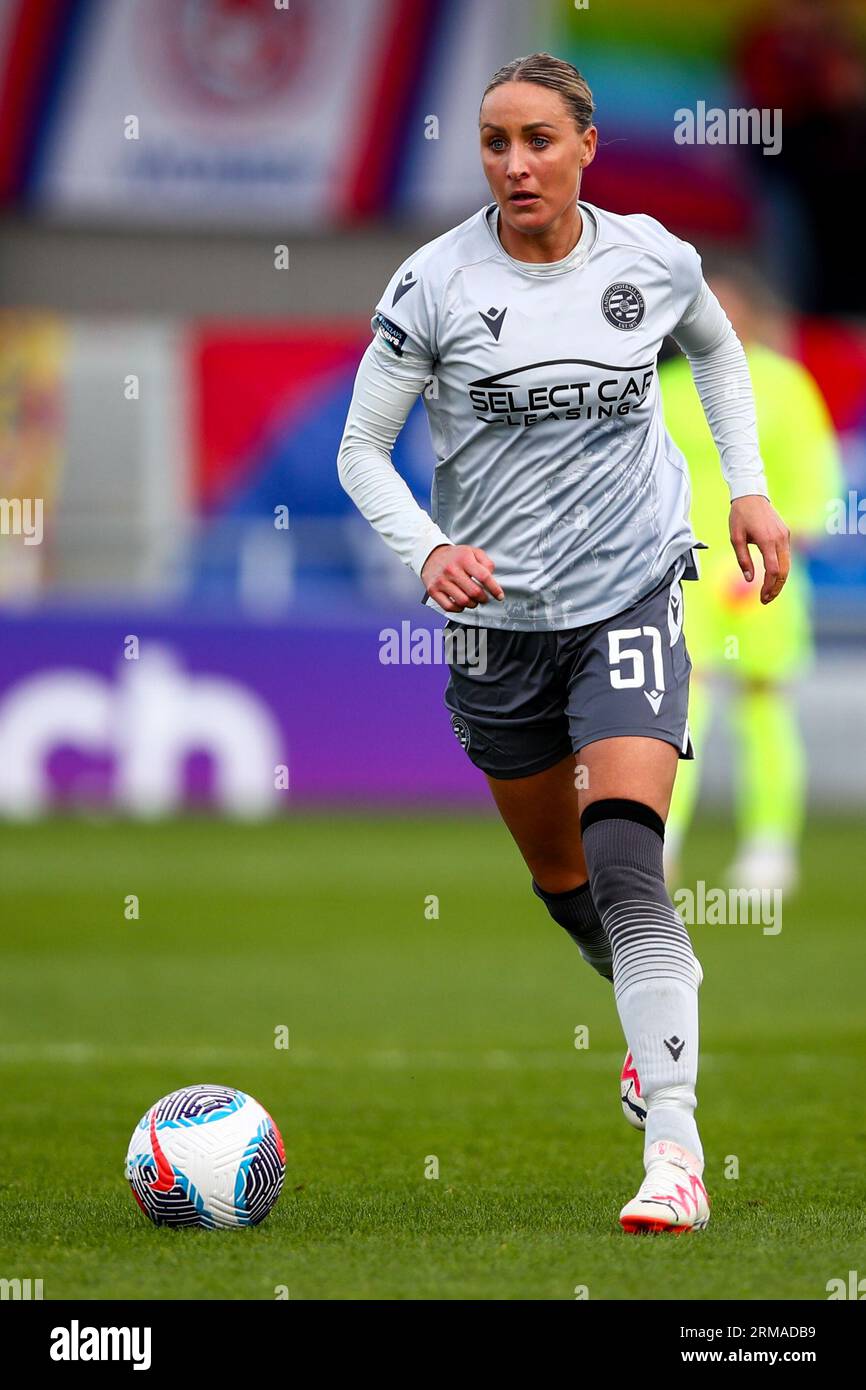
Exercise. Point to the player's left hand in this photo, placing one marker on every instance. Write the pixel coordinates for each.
(754, 521)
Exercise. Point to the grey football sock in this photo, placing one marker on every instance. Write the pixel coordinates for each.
(655, 972)
(575, 911)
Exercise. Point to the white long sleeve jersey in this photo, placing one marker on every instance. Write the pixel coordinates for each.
(541, 391)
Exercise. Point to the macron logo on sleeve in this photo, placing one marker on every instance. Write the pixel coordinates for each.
(405, 285)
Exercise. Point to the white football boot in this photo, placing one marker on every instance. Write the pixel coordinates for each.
(633, 1103)
(672, 1196)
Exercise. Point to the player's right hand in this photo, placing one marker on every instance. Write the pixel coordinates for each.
(460, 576)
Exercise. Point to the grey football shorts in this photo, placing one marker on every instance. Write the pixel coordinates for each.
(522, 701)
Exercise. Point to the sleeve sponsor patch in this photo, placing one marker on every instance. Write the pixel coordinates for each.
(395, 337)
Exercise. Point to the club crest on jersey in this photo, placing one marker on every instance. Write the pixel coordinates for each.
(405, 285)
(395, 337)
(494, 318)
(623, 305)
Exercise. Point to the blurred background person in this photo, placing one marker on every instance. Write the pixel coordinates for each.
(728, 633)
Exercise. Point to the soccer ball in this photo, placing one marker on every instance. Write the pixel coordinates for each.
(206, 1156)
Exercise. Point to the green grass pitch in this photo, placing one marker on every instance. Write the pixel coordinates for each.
(410, 1036)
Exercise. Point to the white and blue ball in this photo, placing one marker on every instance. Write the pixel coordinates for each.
(206, 1156)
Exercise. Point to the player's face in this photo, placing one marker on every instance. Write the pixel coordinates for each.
(529, 142)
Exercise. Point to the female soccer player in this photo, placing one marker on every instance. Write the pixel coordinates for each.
(560, 529)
